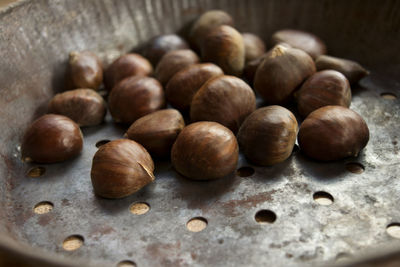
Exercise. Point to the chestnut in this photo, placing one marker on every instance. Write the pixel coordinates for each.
(85, 70)
(157, 131)
(84, 106)
(172, 62)
(351, 69)
(254, 46)
(224, 46)
(267, 136)
(324, 88)
(251, 67)
(332, 133)
(224, 99)
(160, 45)
(305, 41)
(135, 97)
(281, 72)
(205, 150)
(206, 23)
(184, 84)
(125, 66)
(51, 138)
(121, 168)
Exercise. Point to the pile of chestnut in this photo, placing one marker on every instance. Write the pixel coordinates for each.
(211, 78)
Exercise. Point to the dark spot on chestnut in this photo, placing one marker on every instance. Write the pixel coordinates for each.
(281, 72)
(305, 41)
(206, 23)
(254, 46)
(225, 99)
(84, 106)
(172, 62)
(205, 150)
(224, 46)
(126, 66)
(184, 84)
(85, 70)
(351, 69)
(51, 138)
(332, 133)
(135, 97)
(268, 135)
(121, 168)
(324, 88)
(157, 131)
(162, 44)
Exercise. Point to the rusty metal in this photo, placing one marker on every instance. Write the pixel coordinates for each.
(35, 39)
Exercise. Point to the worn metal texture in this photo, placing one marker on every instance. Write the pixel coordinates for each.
(35, 39)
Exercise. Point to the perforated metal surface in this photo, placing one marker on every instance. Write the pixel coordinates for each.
(304, 232)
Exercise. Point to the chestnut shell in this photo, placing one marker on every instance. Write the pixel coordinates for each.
(183, 85)
(51, 138)
(172, 62)
(206, 23)
(125, 66)
(205, 150)
(308, 42)
(121, 168)
(225, 99)
(324, 88)
(254, 46)
(83, 106)
(351, 69)
(157, 47)
(224, 47)
(333, 133)
(157, 131)
(85, 70)
(135, 97)
(281, 72)
(267, 136)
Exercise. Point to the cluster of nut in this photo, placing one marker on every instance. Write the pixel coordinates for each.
(209, 89)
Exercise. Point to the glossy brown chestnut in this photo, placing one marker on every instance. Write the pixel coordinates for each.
(254, 46)
(324, 88)
(184, 84)
(351, 69)
(267, 136)
(174, 61)
(160, 45)
(281, 72)
(135, 97)
(126, 66)
(51, 138)
(224, 99)
(224, 46)
(305, 41)
(84, 106)
(204, 151)
(157, 131)
(85, 70)
(333, 133)
(121, 168)
(206, 23)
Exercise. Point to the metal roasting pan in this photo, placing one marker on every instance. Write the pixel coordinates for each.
(35, 39)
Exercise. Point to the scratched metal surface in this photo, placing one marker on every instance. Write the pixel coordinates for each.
(35, 38)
